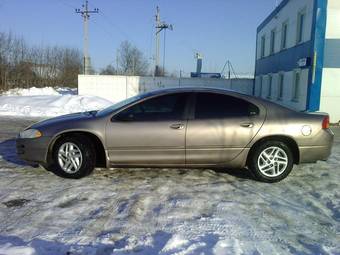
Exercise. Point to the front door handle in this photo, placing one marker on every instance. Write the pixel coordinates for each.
(177, 126)
(247, 124)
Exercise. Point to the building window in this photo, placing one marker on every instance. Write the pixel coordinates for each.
(272, 41)
(270, 82)
(263, 46)
(284, 35)
(296, 87)
(300, 26)
(280, 89)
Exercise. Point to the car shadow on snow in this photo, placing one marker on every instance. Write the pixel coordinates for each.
(243, 174)
(9, 154)
(37, 246)
(238, 173)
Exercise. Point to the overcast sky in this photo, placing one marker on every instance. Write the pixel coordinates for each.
(218, 29)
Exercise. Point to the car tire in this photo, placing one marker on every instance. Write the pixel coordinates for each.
(271, 161)
(72, 157)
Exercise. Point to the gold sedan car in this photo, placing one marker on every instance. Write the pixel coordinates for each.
(188, 127)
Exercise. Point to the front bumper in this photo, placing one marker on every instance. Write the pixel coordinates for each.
(33, 150)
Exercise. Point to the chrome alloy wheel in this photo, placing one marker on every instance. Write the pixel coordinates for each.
(70, 157)
(272, 161)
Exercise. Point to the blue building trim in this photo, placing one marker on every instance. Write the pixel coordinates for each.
(285, 60)
(272, 15)
(254, 81)
(318, 38)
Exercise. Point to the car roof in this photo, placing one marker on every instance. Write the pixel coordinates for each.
(195, 89)
(258, 100)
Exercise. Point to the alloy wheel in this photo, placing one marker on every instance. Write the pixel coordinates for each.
(70, 157)
(272, 161)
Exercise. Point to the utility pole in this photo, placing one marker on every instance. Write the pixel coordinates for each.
(159, 27)
(117, 60)
(85, 13)
(229, 70)
(180, 77)
(158, 23)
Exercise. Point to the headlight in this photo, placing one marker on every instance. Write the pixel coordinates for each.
(30, 133)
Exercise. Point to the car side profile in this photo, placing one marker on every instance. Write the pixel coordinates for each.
(187, 127)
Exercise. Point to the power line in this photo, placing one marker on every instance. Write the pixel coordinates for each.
(65, 3)
(109, 22)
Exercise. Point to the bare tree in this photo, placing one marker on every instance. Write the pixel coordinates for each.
(70, 65)
(131, 60)
(108, 70)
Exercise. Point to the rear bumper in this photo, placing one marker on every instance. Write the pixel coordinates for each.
(314, 153)
(309, 154)
(33, 150)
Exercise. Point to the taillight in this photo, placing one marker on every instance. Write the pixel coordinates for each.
(325, 122)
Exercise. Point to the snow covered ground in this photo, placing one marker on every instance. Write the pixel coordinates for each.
(47, 102)
(166, 211)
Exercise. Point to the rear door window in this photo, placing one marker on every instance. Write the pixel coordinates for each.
(219, 106)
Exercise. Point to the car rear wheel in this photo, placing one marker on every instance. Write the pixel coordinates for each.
(73, 157)
(271, 161)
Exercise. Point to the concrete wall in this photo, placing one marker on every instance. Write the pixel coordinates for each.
(116, 88)
(330, 89)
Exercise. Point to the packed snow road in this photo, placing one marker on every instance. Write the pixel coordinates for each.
(166, 211)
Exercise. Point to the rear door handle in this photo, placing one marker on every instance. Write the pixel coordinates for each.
(247, 124)
(177, 126)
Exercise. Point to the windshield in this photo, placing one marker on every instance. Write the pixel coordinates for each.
(120, 104)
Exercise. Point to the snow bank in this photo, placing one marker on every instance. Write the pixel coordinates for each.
(40, 102)
(36, 106)
(46, 91)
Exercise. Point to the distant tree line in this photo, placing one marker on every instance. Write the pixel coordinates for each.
(23, 66)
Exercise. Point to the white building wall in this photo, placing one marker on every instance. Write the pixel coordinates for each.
(289, 14)
(116, 88)
(288, 89)
(257, 86)
(330, 88)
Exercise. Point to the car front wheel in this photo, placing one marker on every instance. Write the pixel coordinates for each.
(271, 161)
(73, 157)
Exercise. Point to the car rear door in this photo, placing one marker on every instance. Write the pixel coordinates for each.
(149, 133)
(221, 127)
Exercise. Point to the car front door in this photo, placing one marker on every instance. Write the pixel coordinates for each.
(149, 133)
(221, 127)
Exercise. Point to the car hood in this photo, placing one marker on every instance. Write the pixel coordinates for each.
(73, 117)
